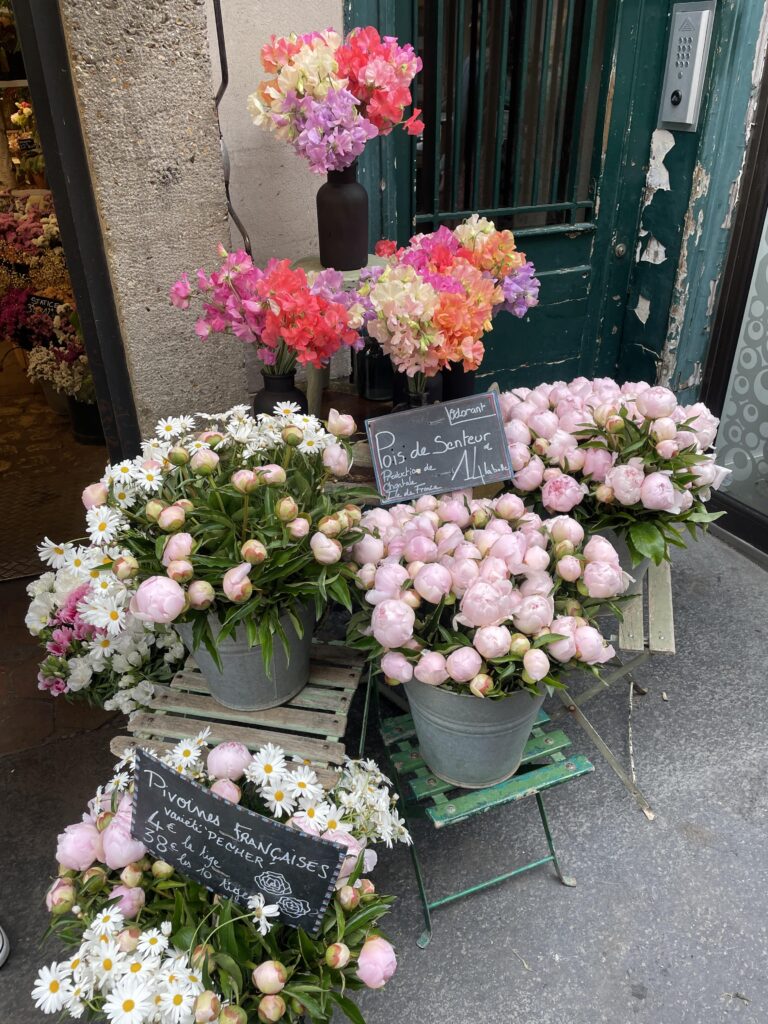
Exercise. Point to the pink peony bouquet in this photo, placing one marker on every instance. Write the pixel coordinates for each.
(436, 298)
(232, 518)
(95, 650)
(137, 931)
(627, 458)
(329, 96)
(287, 315)
(480, 596)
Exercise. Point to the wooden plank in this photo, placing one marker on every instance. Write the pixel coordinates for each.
(167, 700)
(517, 788)
(661, 623)
(631, 629)
(120, 744)
(321, 697)
(337, 654)
(546, 744)
(176, 727)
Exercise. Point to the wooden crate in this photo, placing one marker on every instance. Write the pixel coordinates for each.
(311, 726)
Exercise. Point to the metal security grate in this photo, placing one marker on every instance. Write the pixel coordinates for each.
(511, 97)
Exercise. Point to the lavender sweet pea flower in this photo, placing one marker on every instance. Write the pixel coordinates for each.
(520, 290)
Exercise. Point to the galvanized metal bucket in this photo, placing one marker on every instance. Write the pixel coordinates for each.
(246, 683)
(637, 572)
(470, 741)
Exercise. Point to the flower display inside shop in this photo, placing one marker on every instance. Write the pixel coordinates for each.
(329, 96)
(627, 458)
(148, 946)
(480, 596)
(60, 360)
(287, 315)
(95, 650)
(436, 298)
(231, 516)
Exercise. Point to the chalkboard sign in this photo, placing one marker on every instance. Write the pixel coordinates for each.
(231, 850)
(438, 448)
(45, 304)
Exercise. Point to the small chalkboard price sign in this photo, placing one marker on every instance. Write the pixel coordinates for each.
(231, 850)
(438, 448)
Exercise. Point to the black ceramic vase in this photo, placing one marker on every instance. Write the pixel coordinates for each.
(404, 397)
(342, 220)
(85, 422)
(457, 382)
(278, 387)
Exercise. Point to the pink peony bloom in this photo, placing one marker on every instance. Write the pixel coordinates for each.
(565, 528)
(130, 899)
(200, 594)
(656, 402)
(229, 760)
(536, 664)
(658, 492)
(336, 460)
(95, 495)
(178, 546)
(529, 477)
(120, 848)
(236, 585)
(534, 613)
(565, 649)
(368, 549)
(463, 664)
(492, 641)
(396, 666)
(704, 424)
(480, 605)
(420, 549)
(227, 790)
(598, 549)
(326, 550)
(464, 571)
(569, 568)
(433, 582)
(158, 599)
(298, 527)
(509, 507)
(591, 648)
(392, 623)
(597, 463)
(626, 482)
(431, 668)
(79, 845)
(376, 963)
(341, 425)
(603, 579)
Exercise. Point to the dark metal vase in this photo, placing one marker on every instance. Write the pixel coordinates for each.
(85, 421)
(403, 397)
(457, 382)
(342, 220)
(278, 387)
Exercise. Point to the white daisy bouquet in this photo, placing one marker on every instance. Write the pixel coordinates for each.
(95, 650)
(147, 946)
(232, 518)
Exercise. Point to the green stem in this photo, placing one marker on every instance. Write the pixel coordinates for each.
(244, 534)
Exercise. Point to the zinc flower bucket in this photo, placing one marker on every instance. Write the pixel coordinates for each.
(245, 682)
(469, 742)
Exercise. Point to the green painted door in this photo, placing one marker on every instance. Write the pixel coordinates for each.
(539, 116)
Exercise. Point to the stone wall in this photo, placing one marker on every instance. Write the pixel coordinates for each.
(143, 78)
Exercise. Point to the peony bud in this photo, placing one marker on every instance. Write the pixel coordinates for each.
(519, 644)
(185, 503)
(480, 517)
(298, 527)
(271, 1008)
(103, 819)
(180, 570)
(244, 481)
(131, 875)
(128, 939)
(200, 595)
(286, 509)
(348, 897)
(337, 955)
(270, 977)
(161, 869)
(326, 550)
(340, 425)
(60, 898)
(366, 888)
(233, 1015)
(354, 513)
(604, 493)
(207, 1007)
(614, 424)
(227, 790)
(204, 957)
(95, 878)
(153, 508)
(329, 526)
(125, 567)
(271, 474)
(236, 585)
(253, 551)
(541, 446)
(535, 665)
(292, 436)
(213, 437)
(178, 456)
(481, 684)
(95, 495)
(411, 598)
(203, 463)
(171, 519)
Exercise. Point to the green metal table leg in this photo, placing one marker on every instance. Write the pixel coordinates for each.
(426, 936)
(366, 710)
(565, 879)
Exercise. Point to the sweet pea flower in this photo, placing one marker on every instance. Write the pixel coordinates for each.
(396, 666)
(431, 668)
(433, 582)
(340, 425)
(130, 899)
(536, 664)
(598, 549)
(591, 648)
(656, 402)
(95, 495)
(158, 599)
(229, 760)
(376, 963)
(464, 664)
(236, 585)
(658, 492)
(326, 550)
(603, 579)
(392, 623)
(79, 845)
(177, 547)
(626, 482)
(336, 460)
(534, 613)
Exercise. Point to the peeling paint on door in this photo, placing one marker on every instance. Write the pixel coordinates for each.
(657, 178)
(643, 309)
(654, 251)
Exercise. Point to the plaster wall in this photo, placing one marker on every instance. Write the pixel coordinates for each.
(143, 77)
